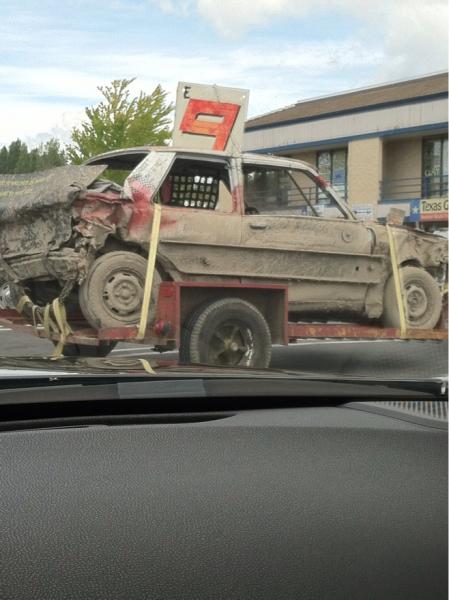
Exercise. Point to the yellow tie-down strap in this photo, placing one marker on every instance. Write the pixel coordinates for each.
(52, 317)
(149, 276)
(397, 283)
(62, 326)
(151, 263)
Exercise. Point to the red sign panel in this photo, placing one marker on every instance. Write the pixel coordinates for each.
(194, 121)
(209, 117)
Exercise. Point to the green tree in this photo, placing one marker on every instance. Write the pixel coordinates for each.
(19, 159)
(122, 121)
(4, 160)
(51, 154)
(13, 155)
(34, 159)
(23, 162)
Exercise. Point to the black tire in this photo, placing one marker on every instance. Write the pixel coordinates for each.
(112, 293)
(229, 332)
(443, 320)
(423, 299)
(100, 351)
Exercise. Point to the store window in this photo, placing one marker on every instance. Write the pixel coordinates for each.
(434, 167)
(332, 165)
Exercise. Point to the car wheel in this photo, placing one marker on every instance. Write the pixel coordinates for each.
(229, 332)
(103, 349)
(422, 297)
(112, 293)
(443, 321)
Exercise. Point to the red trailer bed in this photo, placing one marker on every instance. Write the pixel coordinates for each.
(178, 299)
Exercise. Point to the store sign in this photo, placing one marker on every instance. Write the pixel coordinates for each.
(210, 117)
(429, 209)
(363, 212)
(434, 209)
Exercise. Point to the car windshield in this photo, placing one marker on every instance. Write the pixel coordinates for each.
(275, 218)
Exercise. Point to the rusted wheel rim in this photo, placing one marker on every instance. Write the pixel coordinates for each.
(123, 293)
(416, 301)
(231, 344)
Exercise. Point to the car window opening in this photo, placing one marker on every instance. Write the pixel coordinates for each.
(194, 184)
(285, 192)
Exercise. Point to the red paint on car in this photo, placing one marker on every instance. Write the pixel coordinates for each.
(321, 181)
(142, 210)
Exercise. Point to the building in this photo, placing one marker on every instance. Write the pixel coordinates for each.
(381, 147)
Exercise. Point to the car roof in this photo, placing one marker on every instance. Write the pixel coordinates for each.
(128, 158)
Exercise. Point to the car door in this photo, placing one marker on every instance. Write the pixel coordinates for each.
(201, 216)
(297, 231)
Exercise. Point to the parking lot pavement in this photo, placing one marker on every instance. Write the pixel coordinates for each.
(375, 359)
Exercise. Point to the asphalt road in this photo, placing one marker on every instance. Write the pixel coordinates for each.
(374, 359)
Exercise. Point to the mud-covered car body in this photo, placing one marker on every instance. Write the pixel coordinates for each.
(243, 218)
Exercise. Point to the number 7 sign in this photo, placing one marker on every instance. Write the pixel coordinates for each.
(210, 117)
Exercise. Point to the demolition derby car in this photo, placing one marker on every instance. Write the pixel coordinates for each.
(226, 217)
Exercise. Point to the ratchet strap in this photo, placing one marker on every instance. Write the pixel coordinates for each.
(24, 301)
(64, 328)
(149, 276)
(52, 317)
(151, 263)
(146, 365)
(397, 283)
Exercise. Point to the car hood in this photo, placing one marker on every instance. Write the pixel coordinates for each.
(21, 194)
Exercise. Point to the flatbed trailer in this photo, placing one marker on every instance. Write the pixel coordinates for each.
(177, 300)
(244, 318)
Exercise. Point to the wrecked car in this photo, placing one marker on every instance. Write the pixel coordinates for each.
(244, 218)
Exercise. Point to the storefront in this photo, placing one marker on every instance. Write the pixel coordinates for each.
(381, 147)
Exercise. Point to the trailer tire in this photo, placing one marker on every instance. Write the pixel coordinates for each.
(228, 332)
(423, 297)
(112, 293)
(100, 351)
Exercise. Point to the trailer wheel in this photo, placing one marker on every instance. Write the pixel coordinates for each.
(112, 293)
(422, 296)
(229, 332)
(100, 351)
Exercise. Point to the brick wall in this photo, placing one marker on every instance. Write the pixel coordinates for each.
(403, 159)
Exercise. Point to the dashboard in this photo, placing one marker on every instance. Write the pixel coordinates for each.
(340, 501)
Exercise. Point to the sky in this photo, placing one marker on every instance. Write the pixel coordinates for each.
(55, 54)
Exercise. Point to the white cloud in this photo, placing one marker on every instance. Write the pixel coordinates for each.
(413, 33)
(416, 39)
(389, 39)
(48, 81)
(171, 7)
(306, 57)
(232, 18)
(36, 121)
(40, 102)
